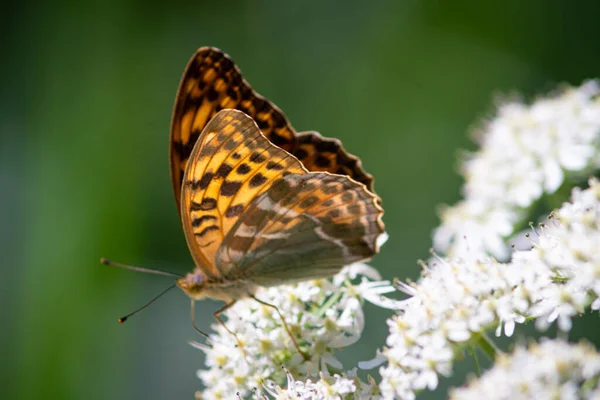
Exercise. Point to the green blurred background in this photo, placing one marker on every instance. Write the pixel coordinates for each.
(86, 98)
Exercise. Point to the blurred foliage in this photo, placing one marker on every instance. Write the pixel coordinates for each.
(86, 102)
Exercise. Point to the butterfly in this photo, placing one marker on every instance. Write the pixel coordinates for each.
(261, 205)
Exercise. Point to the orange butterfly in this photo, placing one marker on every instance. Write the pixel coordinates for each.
(260, 204)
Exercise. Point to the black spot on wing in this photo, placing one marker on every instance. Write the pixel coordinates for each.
(347, 197)
(257, 158)
(257, 180)
(259, 104)
(230, 145)
(278, 190)
(232, 93)
(300, 153)
(243, 169)
(279, 121)
(309, 201)
(208, 203)
(224, 170)
(212, 94)
(335, 213)
(354, 209)
(274, 165)
(205, 180)
(307, 186)
(229, 188)
(234, 211)
(322, 161)
(196, 222)
(330, 189)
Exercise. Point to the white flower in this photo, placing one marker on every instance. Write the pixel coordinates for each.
(526, 152)
(327, 387)
(324, 316)
(457, 301)
(553, 369)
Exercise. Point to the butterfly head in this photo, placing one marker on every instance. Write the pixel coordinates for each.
(193, 284)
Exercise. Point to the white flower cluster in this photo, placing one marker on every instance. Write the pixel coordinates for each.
(525, 152)
(336, 387)
(456, 301)
(323, 315)
(568, 248)
(553, 369)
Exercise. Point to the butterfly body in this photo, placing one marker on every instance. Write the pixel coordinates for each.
(198, 287)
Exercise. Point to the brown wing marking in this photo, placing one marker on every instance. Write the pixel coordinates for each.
(318, 153)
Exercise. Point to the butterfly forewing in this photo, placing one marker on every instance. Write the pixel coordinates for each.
(305, 226)
(230, 166)
(212, 82)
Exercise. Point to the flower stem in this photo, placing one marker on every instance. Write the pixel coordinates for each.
(328, 304)
(473, 352)
(488, 347)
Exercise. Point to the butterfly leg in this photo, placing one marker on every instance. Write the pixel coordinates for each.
(220, 321)
(194, 320)
(285, 325)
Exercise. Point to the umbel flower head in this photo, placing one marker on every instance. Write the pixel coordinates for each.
(553, 369)
(525, 152)
(324, 315)
(325, 387)
(457, 301)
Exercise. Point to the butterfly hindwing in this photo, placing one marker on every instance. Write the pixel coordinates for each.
(305, 226)
(231, 164)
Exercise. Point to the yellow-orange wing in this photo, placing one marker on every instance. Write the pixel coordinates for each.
(212, 82)
(231, 164)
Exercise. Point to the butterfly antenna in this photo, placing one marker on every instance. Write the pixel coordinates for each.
(123, 319)
(138, 269)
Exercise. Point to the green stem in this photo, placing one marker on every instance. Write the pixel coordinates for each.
(487, 345)
(473, 352)
(329, 303)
